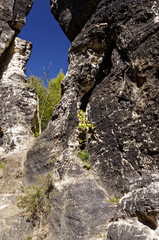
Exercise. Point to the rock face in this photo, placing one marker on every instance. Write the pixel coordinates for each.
(137, 213)
(72, 15)
(18, 100)
(12, 19)
(17, 109)
(113, 77)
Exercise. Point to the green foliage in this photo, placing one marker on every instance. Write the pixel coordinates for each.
(84, 127)
(85, 158)
(34, 200)
(83, 155)
(115, 199)
(87, 166)
(84, 124)
(47, 98)
(29, 238)
(1, 165)
(54, 96)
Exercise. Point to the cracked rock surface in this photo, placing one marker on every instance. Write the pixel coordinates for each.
(137, 213)
(113, 77)
(18, 100)
(17, 109)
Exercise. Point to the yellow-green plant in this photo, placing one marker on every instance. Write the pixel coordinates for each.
(85, 158)
(1, 165)
(115, 199)
(84, 127)
(29, 238)
(84, 124)
(83, 155)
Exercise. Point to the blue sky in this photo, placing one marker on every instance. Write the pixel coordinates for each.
(50, 44)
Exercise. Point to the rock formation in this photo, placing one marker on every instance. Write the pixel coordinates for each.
(18, 100)
(113, 77)
(137, 213)
(18, 105)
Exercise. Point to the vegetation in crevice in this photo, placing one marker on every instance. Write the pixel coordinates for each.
(115, 200)
(84, 156)
(1, 165)
(85, 129)
(29, 238)
(35, 200)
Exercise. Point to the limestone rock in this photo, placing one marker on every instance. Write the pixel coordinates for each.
(72, 15)
(80, 209)
(137, 213)
(113, 77)
(12, 18)
(17, 109)
(18, 99)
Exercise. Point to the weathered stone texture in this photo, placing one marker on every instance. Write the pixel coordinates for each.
(113, 76)
(13, 225)
(18, 99)
(137, 213)
(12, 18)
(79, 208)
(17, 109)
(72, 15)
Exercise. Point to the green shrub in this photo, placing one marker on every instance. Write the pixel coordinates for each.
(84, 156)
(32, 201)
(115, 199)
(84, 128)
(84, 124)
(35, 199)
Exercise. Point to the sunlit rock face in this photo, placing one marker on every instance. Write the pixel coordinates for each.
(18, 100)
(112, 76)
(137, 213)
(13, 17)
(17, 109)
